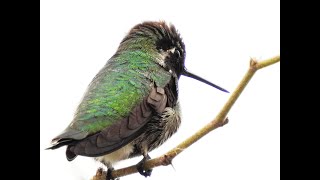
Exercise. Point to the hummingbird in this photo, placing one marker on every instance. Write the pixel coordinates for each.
(131, 106)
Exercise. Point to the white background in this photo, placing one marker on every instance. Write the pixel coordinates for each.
(78, 37)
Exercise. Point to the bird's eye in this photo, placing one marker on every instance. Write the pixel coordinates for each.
(177, 53)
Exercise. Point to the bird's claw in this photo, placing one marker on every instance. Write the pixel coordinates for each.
(109, 174)
(140, 167)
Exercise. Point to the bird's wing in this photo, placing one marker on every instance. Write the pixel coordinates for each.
(119, 101)
(122, 132)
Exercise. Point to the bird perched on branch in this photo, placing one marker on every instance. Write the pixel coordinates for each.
(131, 106)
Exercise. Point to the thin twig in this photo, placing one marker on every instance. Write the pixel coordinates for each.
(218, 121)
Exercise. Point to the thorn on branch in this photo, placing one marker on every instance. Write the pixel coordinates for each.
(166, 160)
(253, 64)
(224, 122)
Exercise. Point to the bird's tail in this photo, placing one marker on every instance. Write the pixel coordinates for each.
(57, 143)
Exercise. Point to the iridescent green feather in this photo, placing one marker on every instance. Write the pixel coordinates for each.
(121, 85)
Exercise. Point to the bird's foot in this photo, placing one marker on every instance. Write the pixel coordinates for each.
(140, 168)
(109, 174)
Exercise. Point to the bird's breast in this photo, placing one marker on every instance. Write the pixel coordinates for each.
(118, 155)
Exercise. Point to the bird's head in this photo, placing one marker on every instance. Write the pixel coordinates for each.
(164, 41)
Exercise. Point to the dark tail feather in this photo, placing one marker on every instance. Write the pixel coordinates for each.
(62, 142)
(59, 143)
(70, 155)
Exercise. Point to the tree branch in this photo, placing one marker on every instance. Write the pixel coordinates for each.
(218, 121)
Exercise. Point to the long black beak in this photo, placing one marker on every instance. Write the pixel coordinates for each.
(189, 74)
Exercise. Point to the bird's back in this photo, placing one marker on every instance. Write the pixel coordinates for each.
(115, 91)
